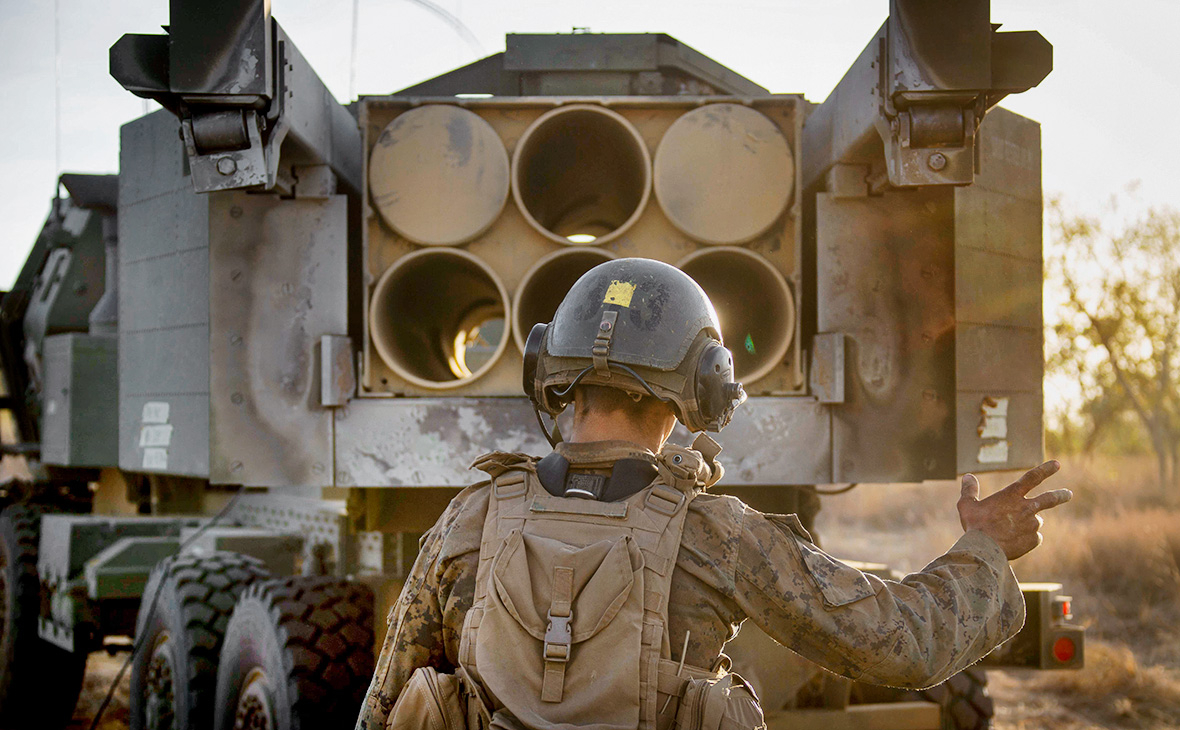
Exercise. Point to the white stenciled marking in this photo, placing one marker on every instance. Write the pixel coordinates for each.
(158, 435)
(994, 453)
(155, 458)
(155, 412)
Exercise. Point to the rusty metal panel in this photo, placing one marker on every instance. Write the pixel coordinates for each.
(429, 442)
(999, 430)
(998, 281)
(994, 288)
(992, 357)
(163, 305)
(886, 278)
(278, 283)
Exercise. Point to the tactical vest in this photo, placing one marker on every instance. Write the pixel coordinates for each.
(569, 625)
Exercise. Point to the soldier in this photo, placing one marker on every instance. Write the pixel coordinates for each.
(598, 585)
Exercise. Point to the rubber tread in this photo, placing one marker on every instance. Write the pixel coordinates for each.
(966, 703)
(204, 589)
(324, 628)
(39, 682)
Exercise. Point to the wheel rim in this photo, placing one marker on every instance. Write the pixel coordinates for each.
(160, 695)
(254, 710)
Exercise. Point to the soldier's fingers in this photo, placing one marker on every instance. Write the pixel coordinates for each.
(1031, 478)
(970, 488)
(1049, 500)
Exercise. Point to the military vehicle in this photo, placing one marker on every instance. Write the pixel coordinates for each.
(248, 372)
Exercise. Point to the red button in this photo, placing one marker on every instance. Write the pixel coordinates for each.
(1064, 649)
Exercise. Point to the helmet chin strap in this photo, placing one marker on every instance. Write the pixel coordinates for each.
(553, 438)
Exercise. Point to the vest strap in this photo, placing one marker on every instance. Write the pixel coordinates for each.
(558, 635)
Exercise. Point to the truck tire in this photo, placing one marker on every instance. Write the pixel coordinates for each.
(298, 655)
(174, 673)
(965, 701)
(39, 682)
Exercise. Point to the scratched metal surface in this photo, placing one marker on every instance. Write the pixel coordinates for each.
(429, 442)
(886, 278)
(278, 273)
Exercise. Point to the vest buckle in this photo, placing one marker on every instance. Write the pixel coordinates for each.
(558, 638)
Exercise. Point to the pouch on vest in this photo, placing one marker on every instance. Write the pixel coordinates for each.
(430, 700)
(725, 702)
(570, 612)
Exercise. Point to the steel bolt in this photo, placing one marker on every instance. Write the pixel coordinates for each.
(237, 398)
(236, 466)
(936, 161)
(235, 211)
(227, 166)
(604, 326)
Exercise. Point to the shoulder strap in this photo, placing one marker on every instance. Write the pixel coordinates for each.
(666, 506)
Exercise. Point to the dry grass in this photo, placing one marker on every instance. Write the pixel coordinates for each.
(1116, 549)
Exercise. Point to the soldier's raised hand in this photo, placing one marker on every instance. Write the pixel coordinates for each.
(1007, 516)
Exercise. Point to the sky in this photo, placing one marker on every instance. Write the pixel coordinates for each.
(1107, 110)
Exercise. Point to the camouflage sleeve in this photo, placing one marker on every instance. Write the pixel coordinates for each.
(424, 623)
(414, 638)
(913, 633)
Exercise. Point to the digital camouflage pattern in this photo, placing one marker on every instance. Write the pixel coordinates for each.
(736, 563)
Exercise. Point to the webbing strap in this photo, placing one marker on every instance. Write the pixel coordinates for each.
(666, 506)
(558, 635)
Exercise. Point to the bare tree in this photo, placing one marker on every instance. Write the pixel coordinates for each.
(1118, 330)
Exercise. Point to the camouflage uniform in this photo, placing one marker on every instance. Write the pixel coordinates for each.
(737, 563)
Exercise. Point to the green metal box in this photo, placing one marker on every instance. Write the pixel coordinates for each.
(80, 401)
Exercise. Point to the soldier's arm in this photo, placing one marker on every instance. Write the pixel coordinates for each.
(912, 633)
(916, 632)
(420, 632)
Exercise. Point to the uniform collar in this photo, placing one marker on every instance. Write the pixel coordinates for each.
(601, 454)
(630, 467)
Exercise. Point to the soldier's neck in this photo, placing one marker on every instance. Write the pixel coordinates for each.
(612, 427)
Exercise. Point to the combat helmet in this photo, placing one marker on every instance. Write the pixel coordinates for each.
(641, 326)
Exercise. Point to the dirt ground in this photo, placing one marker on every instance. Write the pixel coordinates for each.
(101, 669)
(1115, 548)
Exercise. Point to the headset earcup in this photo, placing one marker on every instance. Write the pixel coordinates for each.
(532, 354)
(714, 385)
